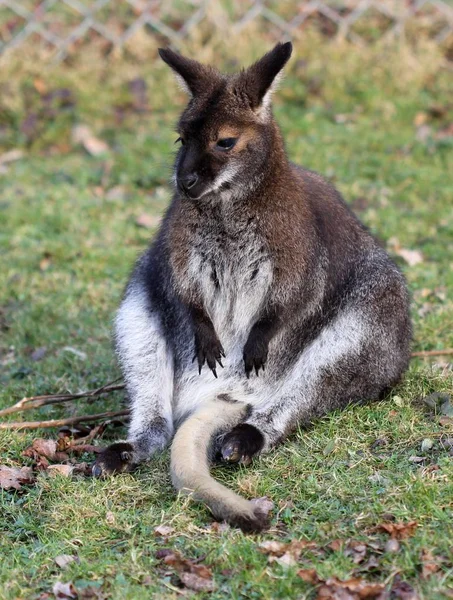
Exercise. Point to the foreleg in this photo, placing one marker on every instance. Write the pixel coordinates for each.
(147, 365)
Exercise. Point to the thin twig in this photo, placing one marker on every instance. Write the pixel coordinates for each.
(36, 401)
(433, 352)
(60, 422)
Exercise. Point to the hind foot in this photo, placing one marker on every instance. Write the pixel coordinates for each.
(241, 444)
(116, 458)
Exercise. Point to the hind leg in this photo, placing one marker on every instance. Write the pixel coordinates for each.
(148, 369)
(351, 360)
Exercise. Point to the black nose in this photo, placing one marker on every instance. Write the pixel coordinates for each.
(188, 181)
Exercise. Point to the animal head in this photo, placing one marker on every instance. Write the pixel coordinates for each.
(226, 131)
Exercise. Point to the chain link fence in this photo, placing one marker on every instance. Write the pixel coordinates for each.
(64, 26)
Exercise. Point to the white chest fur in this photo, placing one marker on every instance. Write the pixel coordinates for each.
(231, 269)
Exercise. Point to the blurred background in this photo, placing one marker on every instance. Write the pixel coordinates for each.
(87, 115)
(87, 118)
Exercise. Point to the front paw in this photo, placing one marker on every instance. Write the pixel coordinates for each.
(255, 353)
(241, 444)
(208, 349)
(116, 458)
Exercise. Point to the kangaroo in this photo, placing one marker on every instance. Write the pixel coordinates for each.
(262, 302)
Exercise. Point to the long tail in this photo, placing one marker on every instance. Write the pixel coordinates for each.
(190, 465)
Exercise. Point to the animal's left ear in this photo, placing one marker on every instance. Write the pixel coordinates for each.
(258, 80)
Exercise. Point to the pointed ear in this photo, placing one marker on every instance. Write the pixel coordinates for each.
(192, 75)
(260, 77)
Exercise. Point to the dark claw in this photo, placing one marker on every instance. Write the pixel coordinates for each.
(241, 444)
(220, 362)
(96, 471)
(230, 453)
(214, 372)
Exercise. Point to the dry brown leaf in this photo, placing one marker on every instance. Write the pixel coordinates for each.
(196, 583)
(63, 470)
(399, 531)
(47, 448)
(190, 572)
(401, 590)
(412, 257)
(430, 564)
(147, 221)
(82, 134)
(163, 530)
(14, 478)
(336, 545)
(285, 554)
(392, 545)
(217, 527)
(11, 156)
(356, 551)
(309, 575)
(110, 517)
(63, 560)
(64, 590)
(351, 589)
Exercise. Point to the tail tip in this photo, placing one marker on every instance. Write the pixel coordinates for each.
(255, 522)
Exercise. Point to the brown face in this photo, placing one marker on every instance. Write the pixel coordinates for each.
(211, 156)
(226, 128)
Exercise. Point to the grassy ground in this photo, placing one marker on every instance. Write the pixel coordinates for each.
(376, 125)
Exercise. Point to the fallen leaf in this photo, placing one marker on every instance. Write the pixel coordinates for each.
(44, 448)
(82, 134)
(330, 447)
(194, 576)
(110, 517)
(76, 352)
(196, 583)
(309, 575)
(118, 192)
(336, 545)
(392, 545)
(163, 530)
(429, 564)
(14, 478)
(420, 119)
(63, 560)
(63, 470)
(401, 590)
(11, 156)
(436, 400)
(64, 590)
(356, 551)
(427, 445)
(417, 459)
(399, 531)
(285, 554)
(351, 589)
(217, 527)
(412, 257)
(147, 221)
(38, 354)
(45, 263)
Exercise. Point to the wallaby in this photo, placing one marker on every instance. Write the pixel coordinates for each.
(262, 303)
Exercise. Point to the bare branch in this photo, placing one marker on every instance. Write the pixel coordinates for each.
(37, 401)
(445, 352)
(16, 425)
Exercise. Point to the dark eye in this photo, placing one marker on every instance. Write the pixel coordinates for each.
(180, 140)
(226, 143)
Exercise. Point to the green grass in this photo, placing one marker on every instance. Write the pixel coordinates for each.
(67, 246)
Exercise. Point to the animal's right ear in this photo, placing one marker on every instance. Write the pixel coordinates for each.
(192, 75)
